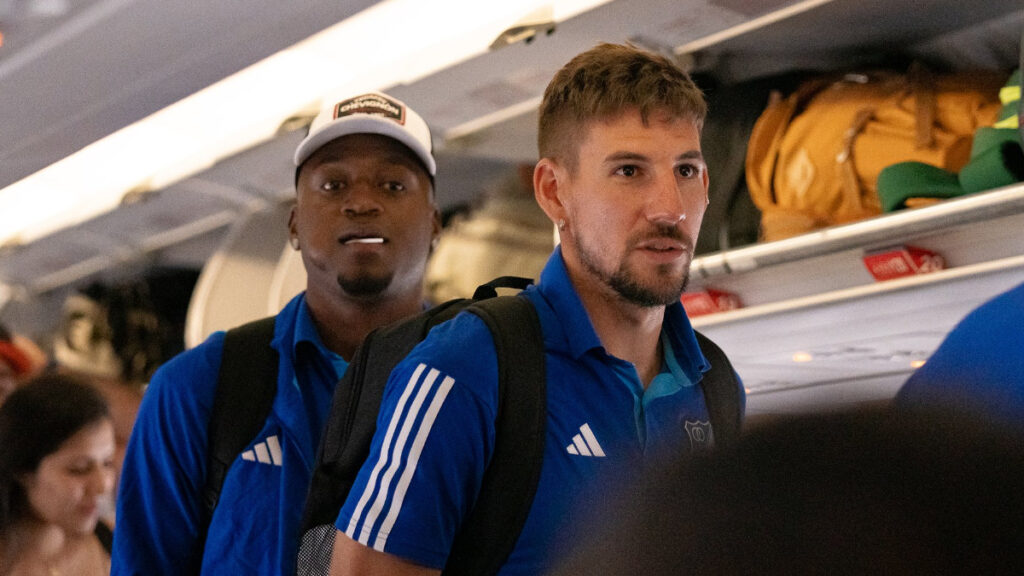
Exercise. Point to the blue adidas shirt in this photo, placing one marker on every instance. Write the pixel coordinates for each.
(436, 431)
(254, 529)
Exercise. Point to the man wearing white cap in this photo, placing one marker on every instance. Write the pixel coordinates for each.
(365, 221)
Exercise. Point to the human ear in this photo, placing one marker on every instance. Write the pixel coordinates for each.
(549, 180)
(435, 233)
(293, 233)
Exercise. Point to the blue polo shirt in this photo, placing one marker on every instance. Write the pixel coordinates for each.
(254, 529)
(436, 429)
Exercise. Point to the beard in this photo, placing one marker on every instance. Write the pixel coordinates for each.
(364, 286)
(663, 291)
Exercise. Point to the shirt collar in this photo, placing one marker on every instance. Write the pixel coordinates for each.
(305, 330)
(578, 335)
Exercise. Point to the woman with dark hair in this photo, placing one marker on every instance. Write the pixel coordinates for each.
(56, 475)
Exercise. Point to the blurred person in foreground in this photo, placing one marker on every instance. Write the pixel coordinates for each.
(56, 474)
(622, 177)
(364, 221)
(867, 492)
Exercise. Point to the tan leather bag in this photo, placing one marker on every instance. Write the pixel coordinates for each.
(814, 157)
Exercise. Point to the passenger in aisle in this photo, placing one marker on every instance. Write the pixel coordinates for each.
(56, 476)
(365, 221)
(622, 177)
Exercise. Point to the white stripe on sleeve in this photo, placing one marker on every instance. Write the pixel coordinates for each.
(398, 454)
(363, 536)
(414, 458)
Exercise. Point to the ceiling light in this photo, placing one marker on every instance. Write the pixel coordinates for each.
(917, 364)
(390, 43)
(801, 357)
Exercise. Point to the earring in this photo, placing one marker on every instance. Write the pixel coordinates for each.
(561, 224)
(294, 242)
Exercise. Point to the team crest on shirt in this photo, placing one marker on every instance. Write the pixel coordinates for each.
(701, 435)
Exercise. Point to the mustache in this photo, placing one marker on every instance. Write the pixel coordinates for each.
(664, 231)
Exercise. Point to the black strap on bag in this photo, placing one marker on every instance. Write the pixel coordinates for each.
(246, 386)
(511, 479)
(721, 394)
(105, 535)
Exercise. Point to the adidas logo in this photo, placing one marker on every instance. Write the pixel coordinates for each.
(585, 444)
(266, 452)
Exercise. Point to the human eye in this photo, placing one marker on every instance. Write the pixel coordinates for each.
(689, 171)
(78, 468)
(627, 170)
(331, 185)
(394, 186)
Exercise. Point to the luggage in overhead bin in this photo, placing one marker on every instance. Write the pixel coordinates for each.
(731, 219)
(997, 160)
(814, 157)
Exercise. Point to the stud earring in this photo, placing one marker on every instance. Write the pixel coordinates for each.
(294, 242)
(561, 224)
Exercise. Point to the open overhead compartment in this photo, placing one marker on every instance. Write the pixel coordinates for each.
(814, 318)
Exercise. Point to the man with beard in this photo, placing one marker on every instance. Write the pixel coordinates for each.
(622, 177)
(364, 220)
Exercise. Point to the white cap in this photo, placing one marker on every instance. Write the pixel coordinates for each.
(372, 113)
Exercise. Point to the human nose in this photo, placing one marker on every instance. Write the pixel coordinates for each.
(362, 199)
(668, 203)
(101, 481)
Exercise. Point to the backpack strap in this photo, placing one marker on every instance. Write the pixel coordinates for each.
(105, 535)
(492, 528)
(721, 394)
(246, 386)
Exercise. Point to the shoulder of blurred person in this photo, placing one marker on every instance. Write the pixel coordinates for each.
(858, 492)
(979, 366)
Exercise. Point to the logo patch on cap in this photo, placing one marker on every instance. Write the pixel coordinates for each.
(373, 104)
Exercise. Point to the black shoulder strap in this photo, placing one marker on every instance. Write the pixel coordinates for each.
(721, 394)
(246, 386)
(492, 528)
(105, 535)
